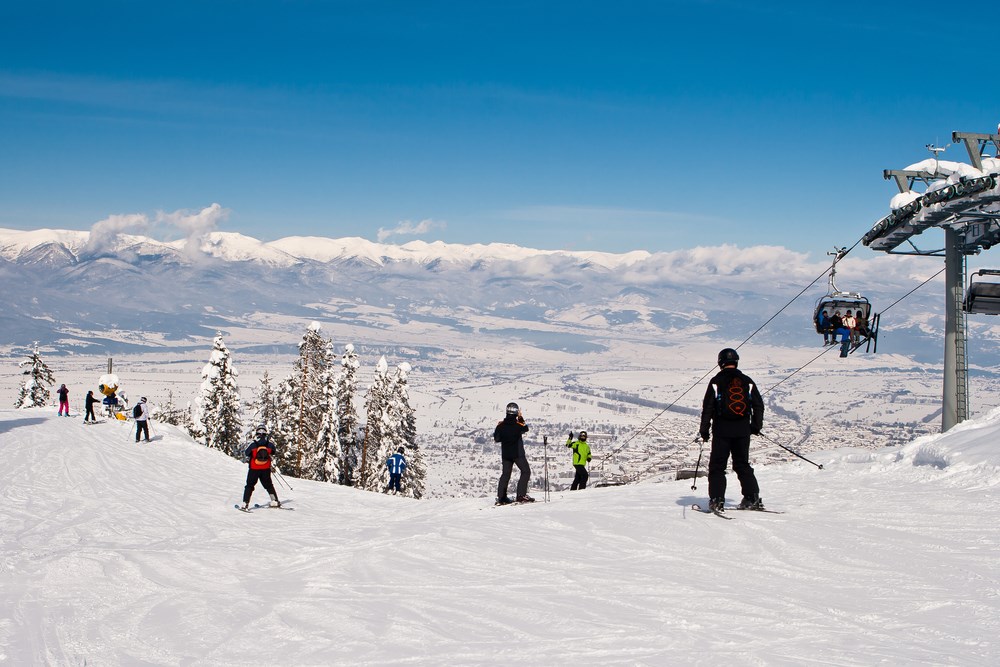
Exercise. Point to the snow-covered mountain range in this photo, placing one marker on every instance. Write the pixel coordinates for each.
(106, 292)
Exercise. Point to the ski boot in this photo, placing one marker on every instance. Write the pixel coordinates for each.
(525, 499)
(274, 501)
(751, 503)
(717, 505)
(503, 501)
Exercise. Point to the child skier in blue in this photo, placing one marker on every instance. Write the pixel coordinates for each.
(397, 466)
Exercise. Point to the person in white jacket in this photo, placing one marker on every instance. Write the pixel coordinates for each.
(142, 419)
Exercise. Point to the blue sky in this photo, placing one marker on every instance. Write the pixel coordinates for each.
(576, 125)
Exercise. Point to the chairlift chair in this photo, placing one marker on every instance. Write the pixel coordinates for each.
(840, 301)
(983, 296)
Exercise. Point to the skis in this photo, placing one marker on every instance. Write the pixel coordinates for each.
(717, 513)
(738, 509)
(514, 502)
(258, 506)
(722, 515)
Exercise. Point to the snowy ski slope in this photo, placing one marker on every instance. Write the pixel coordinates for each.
(113, 553)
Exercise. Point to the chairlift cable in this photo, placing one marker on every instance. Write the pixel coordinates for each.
(745, 341)
(607, 457)
(834, 347)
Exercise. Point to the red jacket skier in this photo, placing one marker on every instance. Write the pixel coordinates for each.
(260, 453)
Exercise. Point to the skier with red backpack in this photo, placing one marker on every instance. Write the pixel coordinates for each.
(734, 410)
(259, 453)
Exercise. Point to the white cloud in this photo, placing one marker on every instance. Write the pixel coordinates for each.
(104, 232)
(409, 228)
(195, 227)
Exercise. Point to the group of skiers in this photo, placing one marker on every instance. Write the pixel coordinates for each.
(260, 453)
(140, 412)
(850, 326)
(732, 411)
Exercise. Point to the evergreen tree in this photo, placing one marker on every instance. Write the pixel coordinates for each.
(406, 421)
(34, 392)
(347, 415)
(173, 414)
(299, 399)
(264, 408)
(374, 476)
(219, 403)
(326, 458)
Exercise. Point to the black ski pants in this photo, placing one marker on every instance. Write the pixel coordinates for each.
(395, 483)
(580, 479)
(722, 448)
(522, 481)
(90, 413)
(141, 426)
(265, 480)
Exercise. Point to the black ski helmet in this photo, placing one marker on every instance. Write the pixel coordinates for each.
(583, 436)
(400, 450)
(728, 356)
(512, 408)
(261, 430)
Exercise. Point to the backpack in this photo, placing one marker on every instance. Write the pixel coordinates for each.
(732, 401)
(262, 454)
(137, 410)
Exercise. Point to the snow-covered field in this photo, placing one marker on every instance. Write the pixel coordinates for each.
(113, 553)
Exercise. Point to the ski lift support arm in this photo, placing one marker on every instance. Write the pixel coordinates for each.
(975, 145)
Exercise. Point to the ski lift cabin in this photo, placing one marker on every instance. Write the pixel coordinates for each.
(983, 296)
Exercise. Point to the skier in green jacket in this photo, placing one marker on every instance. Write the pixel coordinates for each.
(581, 457)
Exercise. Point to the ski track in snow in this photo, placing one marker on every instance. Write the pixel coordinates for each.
(121, 553)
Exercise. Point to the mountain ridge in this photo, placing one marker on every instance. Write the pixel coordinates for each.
(95, 281)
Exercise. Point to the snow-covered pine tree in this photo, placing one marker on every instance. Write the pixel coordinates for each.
(34, 392)
(347, 415)
(405, 416)
(326, 458)
(377, 424)
(264, 408)
(218, 407)
(299, 398)
(171, 413)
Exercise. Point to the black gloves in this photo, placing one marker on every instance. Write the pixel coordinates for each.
(571, 435)
(755, 430)
(704, 436)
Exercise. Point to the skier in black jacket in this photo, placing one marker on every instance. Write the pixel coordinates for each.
(508, 433)
(89, 404)
(734, 410)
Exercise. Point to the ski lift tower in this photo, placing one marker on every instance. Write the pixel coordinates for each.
(964, 201)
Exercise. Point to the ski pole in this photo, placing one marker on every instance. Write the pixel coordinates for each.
(790, 450)
(545, 453)
(701, 448)
(282, 480)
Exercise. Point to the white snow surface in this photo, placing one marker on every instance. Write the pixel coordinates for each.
(115, 553)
